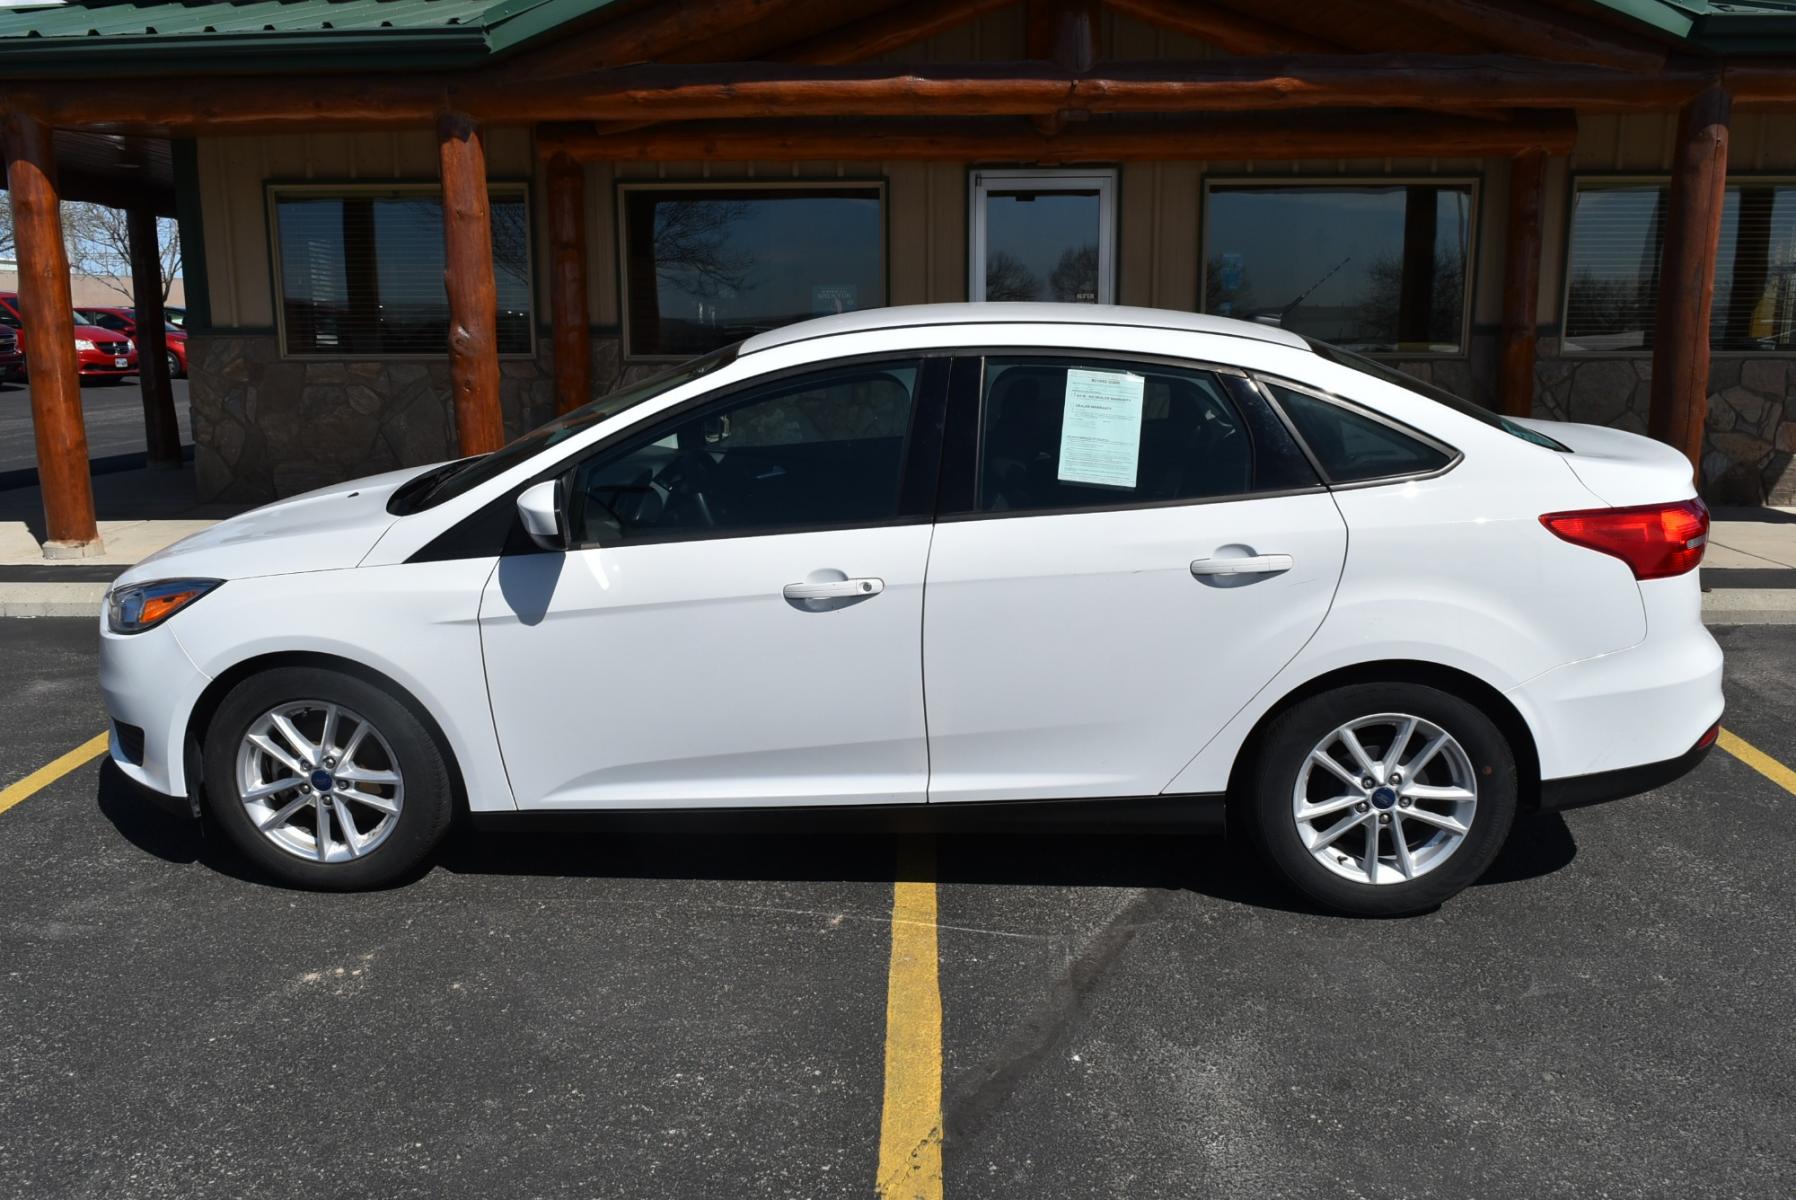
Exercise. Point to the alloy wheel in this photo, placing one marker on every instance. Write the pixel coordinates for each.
(319, 781)
(1385, 799)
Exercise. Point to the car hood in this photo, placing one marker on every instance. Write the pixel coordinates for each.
(326, 530)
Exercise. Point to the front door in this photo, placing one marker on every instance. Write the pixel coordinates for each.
(1139, 548)
(741, 622)
(1043, 235)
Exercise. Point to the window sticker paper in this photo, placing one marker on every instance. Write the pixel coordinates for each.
(1100, 428)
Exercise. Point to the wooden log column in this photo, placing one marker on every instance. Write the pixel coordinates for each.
(1521, 285)
(162, 435)
(49, 328)
(1680, 388)
(567, 282)
(468, 278)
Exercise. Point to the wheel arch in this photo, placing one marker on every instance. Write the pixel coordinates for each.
(1451, 680)
(200, 716)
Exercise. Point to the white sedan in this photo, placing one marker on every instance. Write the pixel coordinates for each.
(1049, 558)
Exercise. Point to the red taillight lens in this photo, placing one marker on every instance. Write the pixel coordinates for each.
(1655, 540)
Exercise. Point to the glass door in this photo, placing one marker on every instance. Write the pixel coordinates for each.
(1044, 235)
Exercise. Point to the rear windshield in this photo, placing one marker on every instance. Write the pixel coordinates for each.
(1440, 395)
(452, 479)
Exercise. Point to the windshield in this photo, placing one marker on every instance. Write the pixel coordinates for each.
(1439, 395)
(453, 479)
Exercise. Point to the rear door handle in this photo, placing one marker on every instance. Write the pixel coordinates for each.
(1259, 564)
(833, 589)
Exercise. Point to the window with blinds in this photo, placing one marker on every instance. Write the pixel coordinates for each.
(361, 270)
(1612, 273)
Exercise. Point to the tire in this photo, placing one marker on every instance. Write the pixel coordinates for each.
(1436, 862)
(174, 367)
(397, 821)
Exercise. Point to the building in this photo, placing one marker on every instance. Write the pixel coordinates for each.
(1571, 208)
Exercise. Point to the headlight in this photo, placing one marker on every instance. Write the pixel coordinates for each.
(83, 344)
(144, 606)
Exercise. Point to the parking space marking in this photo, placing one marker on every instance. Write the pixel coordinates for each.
(910, 1127)
(50, 772)
(1758, 760)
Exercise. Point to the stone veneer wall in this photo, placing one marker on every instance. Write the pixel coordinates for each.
(264, 427)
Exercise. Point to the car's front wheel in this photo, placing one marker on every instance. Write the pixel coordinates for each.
(1383, 799)
(325, 780)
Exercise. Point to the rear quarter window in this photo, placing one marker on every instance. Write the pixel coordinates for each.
(1352, 447)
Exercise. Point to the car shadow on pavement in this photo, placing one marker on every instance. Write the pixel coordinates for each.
(835, 846)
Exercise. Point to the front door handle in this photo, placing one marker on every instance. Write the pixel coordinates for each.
(833, 589)
(1259, 564)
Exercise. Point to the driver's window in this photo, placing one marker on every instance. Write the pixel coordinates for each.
(1064, 433)
(817, 451)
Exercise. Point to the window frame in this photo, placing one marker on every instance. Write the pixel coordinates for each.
(1474, 180)
(1107, 180)
(274, 189)
(917, 475)
(1263, 381)
(1599, 180)
(620, 233)
(964, 441)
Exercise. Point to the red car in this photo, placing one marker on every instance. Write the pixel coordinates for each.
(99, 353)
(124, 320)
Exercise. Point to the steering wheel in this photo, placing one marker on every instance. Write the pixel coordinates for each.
(685, 478)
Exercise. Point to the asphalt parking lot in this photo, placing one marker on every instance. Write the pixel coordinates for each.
(112, 411)
(706, 1014)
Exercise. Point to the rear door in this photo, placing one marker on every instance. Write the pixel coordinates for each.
(1127, 551)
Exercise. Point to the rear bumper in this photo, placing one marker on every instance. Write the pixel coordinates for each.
(1578, 791)
(1636, 708)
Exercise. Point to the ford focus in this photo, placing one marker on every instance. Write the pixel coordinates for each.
(1012, 556)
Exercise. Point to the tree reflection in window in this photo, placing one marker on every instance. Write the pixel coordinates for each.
(706, 266)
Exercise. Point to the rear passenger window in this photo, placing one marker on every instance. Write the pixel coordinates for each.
(1061, 433)
(1352, 447)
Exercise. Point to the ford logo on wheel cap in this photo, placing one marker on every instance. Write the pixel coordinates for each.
(1383, 798)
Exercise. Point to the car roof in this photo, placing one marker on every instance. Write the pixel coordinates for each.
(910, 316)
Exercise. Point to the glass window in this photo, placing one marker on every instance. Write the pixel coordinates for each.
(707, 266)
(361, 272)
(1134, 433)
(1612, 288)
(1046, 235)
(1353, 447)
(1378, 268)
(825, 450)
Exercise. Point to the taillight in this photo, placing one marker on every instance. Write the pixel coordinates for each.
(1655, 540)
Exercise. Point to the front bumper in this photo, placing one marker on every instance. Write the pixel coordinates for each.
(92, 362)
(150, 685)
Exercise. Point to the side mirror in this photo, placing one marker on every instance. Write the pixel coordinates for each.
(543, 514)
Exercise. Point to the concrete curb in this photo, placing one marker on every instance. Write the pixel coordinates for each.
(1749, 606)
(52, 599)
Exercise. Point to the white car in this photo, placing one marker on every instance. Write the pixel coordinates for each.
(950, 555)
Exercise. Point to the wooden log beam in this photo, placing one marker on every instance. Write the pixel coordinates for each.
(1761, 84)
(1240, 136)
(1680, 385)
(1064, 33)
(49, 329)
(1521, 284)
(891, 30)
(468, 278)
(650, 33)
(739, 91)
(1541, 34)
(1222, 27)
(162, 435)
(567, 283)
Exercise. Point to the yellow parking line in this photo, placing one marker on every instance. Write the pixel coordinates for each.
(1758, 760)
(50, 772)
(910, 1129)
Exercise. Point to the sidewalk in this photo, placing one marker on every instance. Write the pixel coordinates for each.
(139, 511)
(1748, 575)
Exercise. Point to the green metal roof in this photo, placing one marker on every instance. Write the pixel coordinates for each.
(153, 37)
(114, 38)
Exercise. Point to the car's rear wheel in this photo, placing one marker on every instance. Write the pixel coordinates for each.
(325, 780)
(174, 367)
(1383, 799)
